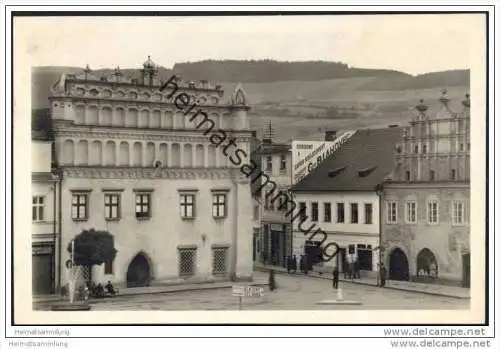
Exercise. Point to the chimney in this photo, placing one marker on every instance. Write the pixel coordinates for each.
(330, 135)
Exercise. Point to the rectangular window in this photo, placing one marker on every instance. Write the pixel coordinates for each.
(111, 206)
(38, 208)
(283, 201)
(368, 214)
(392, 212)
(354, 213)
(219, 261)
(269, 164)
(424, 148)
(314, 212)
(269, 196)
(461, 147)
(187, 205)
(108, 268)
(79, 206)
(458, 213)
(302, 211)
(340, 212)
(328, 212)
(411, 212)
(143, 206)
(408, 176)
(187, 261)
(432, 212)
(219, 205)
(283, 163)
(453, 174)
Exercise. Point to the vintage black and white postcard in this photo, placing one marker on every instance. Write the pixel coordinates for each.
(322, 168)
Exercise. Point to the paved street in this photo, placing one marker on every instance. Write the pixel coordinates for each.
(294, 293)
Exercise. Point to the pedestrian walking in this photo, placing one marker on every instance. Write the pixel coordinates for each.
(294, 264)
(301, 263)
(335, 278)
(288, 264)
(272, 280)
(383, 275)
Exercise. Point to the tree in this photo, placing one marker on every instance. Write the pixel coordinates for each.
(93, 247)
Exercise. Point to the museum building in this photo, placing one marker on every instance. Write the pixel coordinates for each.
(135, 165)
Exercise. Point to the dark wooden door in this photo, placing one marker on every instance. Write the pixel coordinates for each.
(398, 266)
(138, 273)
(42, 274)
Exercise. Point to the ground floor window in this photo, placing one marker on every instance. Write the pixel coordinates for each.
(219, 260)
(365, 257)
(187, 261)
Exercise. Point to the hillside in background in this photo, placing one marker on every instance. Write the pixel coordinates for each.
(331, 95)
(270, 71)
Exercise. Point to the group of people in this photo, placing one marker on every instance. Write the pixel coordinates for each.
(302, 264)
(98, 291)
(381, 282)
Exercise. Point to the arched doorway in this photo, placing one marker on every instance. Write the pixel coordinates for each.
(139, 271)
(427, 264)
(398, 266)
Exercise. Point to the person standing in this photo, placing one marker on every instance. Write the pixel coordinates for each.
(294, 264)
(383, 275)
(335, 278)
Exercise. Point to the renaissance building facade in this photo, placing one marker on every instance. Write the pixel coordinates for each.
(426, 229)
(138, 166)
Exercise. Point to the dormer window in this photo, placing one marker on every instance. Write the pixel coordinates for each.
(336, 171)
(366, 171)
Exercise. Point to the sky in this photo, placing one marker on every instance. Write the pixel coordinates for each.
(413, 44)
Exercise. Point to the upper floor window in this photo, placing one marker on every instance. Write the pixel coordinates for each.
(302, 211)
(432, 212)
(38, 208)
(269, 163)
(314, 212)
(79, 206)
(392, 212)
(461, 147)
(415, 150)
(411, 211)
(458, 213)
(354, 213)
(283, 163)
(142, 205)
(368, 214)
(283, 201)
(408, 176)
(327, 207)
(219, 205)
(453, 174)
(432, 175)
(187, 205)
(111, 206)
(424, 148)
(340, 212)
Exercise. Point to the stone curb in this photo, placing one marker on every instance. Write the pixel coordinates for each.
(280, 271)
(159, 291)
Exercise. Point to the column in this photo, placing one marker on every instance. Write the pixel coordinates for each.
(144, 150)
(181, 155)
(169, 155)
(205, 150)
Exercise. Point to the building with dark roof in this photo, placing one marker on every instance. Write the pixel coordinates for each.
(426, 225)
(341, 196)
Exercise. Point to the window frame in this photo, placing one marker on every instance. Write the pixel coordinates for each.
(391, 212)
(338, 219)
(283, 161)
(366, 205)
(216, 205)
(38, 208)
(141, 204)
(112, 205)
(184, 204)
(314, 211)
(408, 204)
(327, 212)
(269, 163)
(454, 221)
(78, 205)
(353, 205)
(194, 252)
(429, 202)
(302, 211)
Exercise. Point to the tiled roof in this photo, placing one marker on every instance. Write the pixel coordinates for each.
(361, 163)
